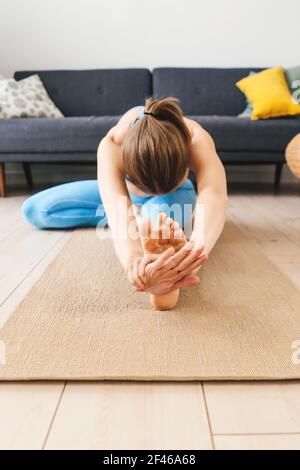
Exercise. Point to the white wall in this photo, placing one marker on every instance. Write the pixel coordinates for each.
(43, 34)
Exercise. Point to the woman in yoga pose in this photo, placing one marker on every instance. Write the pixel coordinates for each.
(143, 167)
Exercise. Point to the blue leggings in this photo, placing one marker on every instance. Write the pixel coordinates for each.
(79, 204)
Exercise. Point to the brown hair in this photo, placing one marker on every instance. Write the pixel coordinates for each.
(155, 151)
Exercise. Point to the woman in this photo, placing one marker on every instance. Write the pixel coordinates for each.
(144, 161)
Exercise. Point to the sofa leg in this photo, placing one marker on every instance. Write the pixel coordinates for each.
(28, 175)
(2, 180)
(278, 172)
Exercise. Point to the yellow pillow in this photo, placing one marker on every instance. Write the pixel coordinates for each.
(269, 94)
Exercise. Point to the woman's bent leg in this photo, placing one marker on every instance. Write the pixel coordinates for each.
(69, 205)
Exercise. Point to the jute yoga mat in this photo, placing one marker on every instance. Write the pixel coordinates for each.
(81, 321)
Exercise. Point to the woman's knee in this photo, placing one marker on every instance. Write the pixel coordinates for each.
(179, 210)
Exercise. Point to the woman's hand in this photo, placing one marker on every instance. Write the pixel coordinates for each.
(171, 271)
(163, 273)
(132, 272)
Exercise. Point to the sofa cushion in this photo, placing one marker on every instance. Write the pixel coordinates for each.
(95, 92)
(35, 136)
(293, 77)
(243, 135)
(202, 91)
(83, 134)
(25, 98)
(269, 94)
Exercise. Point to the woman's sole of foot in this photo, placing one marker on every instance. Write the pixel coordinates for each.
(168, 234)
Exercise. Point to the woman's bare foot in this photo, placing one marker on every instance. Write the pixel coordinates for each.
(169, 234)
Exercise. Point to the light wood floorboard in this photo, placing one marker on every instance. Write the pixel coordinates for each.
(131, 416)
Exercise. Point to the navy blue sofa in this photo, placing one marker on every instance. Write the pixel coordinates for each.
(92, 101)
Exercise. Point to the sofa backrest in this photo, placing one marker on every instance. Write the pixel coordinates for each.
(95, 92)
(202, 91)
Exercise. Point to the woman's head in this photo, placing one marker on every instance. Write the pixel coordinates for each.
(155, 152)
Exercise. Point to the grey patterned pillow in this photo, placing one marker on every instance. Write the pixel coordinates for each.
(25, 98)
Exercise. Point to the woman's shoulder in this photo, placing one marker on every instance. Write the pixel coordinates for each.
(201, 145)
(123, 126)
(198, 134)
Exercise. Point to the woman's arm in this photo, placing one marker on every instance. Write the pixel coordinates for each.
(116, 202)
(212, 200)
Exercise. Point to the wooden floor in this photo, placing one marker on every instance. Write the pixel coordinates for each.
(113, 415)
